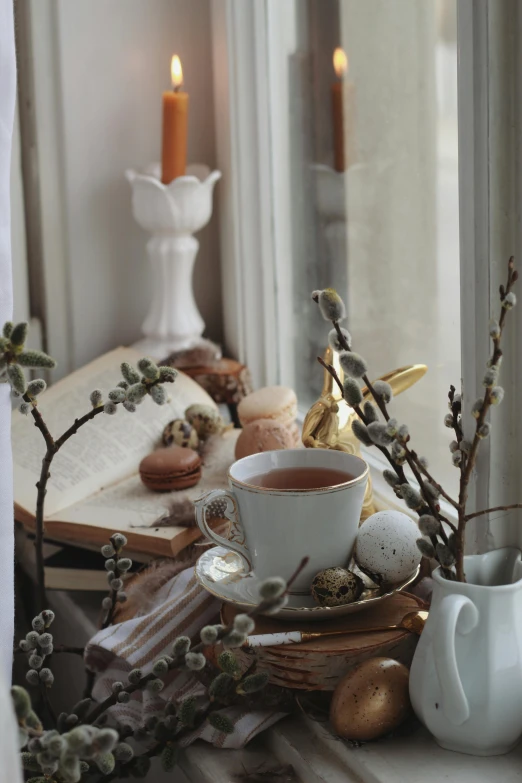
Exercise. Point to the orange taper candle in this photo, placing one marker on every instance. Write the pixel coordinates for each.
(175, 116)
(340, 63)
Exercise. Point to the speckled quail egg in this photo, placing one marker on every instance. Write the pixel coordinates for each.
(180, 433)
(386, 546)
(205, 420)
(336, 586)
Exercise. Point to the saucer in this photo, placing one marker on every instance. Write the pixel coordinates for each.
(221, 573)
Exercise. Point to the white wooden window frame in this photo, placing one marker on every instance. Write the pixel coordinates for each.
(45, 220)
(248, 38)
(490, 231)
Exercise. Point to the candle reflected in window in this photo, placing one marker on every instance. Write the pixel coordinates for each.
(340, 64)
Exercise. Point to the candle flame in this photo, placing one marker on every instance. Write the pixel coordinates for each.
(340, 62)
(176, 72)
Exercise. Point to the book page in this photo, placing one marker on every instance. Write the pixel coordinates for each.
(128, 508)
(129, 504)
(106, 449)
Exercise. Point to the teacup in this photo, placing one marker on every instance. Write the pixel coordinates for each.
(273, 529)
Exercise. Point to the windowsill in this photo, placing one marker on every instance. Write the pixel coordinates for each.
(314, 753)
(317, 757)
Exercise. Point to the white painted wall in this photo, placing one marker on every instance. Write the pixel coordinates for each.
(108, 64)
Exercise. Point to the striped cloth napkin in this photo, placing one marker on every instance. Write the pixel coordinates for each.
(181, 607)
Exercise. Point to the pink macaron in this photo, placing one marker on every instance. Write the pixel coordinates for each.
(276, 403)
(264, 435)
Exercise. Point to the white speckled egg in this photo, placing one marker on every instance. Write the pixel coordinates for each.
(386, 545)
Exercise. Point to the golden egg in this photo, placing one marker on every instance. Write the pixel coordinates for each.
(371, 700)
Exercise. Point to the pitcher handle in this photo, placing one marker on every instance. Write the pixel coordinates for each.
(456, 613)
(236, 541)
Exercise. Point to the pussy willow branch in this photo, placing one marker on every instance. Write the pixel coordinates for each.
(416, 467)
(39, 422)
(437, 486)
(90, 679)
(397, 468)
(158, 746)
(433, 505)
(90, 675)
(476, 514)
(179, 662)
(44, 693)
(41, 487)
(155, 750)
(57, 648)
(411, 457)
(456, 410)
(53, 446)
(484, 409)
(486, 403)
(412, 462)
(468, 459)
(430, 502)
(113, 594)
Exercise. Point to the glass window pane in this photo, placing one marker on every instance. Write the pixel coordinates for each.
(376, 215)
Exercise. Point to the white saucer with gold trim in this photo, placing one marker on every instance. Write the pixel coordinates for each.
(221, 572)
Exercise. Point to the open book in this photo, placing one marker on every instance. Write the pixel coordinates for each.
(94, 489)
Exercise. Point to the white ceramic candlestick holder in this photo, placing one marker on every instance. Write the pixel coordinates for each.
(347, 201)
(172, 214)
(331, 199)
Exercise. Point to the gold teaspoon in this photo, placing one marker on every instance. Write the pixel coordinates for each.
(413, 622)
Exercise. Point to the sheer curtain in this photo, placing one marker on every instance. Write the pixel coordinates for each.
(7, 106)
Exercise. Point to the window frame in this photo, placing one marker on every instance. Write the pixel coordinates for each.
(243, 151)
(39, 111)
(255, 229)
(490, 132)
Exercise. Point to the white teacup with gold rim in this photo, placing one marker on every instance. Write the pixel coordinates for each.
(290, 504)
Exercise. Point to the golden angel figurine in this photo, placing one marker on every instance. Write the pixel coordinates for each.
(328, 423)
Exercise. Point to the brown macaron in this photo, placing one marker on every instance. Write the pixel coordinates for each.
(170, 469)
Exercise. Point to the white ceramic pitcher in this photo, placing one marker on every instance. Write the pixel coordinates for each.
(466, 675)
